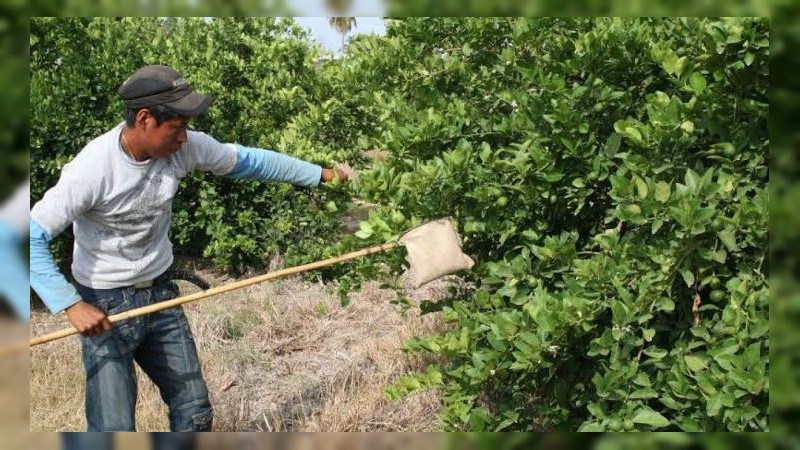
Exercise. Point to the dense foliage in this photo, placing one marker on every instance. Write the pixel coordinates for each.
(611, 177)
(608, 175)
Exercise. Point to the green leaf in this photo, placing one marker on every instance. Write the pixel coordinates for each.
(633, 210)
(642, 380)
(728, 239)
(655, 352)
(674, 65)
(692, 181)
(714, 404)
(648, 334)
(643, 393)
(719, 256)
(619, 311)
(688, 277)
(666, 304)
(647, 416)
(662, 192)
(331, 206)
(466, 49)
(690, 425)
(365, 232)
(694, 363)
(552, 177)
(633, 133)
(702, 333)
(596, 410)
(670, 403)
(641, 188)
(657, 223)
(612, 144)
(698, 82)
(753, 353)
(590, 427)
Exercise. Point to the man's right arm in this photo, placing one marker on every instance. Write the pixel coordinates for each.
(78, 191)
(54, 289)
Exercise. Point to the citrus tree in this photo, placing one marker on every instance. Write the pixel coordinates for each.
(610, 176)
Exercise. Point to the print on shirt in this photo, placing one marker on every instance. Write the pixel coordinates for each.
(135, 234)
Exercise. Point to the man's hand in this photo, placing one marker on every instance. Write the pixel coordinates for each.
(342, 171)
(88, 319)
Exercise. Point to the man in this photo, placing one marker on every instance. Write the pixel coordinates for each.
(117, 193)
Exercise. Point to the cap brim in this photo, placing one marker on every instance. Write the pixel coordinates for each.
(191, 105)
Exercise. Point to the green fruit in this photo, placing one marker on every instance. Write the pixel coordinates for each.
(728, 150)
(495, 192)
(502, 201)
(713, 282)
(628, 425)
(553, 199)
(614, 424)
(717, 295)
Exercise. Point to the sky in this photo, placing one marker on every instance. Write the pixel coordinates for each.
(330, 39)
(358, 8)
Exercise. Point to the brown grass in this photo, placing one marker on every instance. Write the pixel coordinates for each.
(281, 441)
(14, 398)
(276, 356)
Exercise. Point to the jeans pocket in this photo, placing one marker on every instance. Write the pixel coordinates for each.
(111, 305)
(127, 329)
(122, 332)
(103, 304)
(167, 291)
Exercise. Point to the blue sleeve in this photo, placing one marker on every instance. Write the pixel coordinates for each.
(273, 166)
(14, 272)
(53, 288)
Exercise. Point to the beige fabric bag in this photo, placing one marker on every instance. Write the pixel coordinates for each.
(434, 250)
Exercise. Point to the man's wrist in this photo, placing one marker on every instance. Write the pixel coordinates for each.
(78, 302)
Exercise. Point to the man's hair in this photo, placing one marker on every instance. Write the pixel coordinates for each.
(160, 112)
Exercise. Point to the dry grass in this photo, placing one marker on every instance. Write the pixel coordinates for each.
(14, 370)
(279, 356)
(257, 441)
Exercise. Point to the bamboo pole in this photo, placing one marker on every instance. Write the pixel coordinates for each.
(205, 294)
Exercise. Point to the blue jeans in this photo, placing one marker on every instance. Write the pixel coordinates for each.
(103, 441)
(161, 343)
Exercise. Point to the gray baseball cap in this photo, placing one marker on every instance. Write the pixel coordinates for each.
(162, 85)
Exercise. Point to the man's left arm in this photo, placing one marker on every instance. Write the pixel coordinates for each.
(238, 161)
(269, 165)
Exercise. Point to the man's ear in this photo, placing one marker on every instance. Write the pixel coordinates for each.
(141, 117)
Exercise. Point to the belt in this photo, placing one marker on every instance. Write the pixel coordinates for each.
(164, 277)
(174, 274)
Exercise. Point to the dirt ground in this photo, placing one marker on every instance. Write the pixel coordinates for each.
(280, 356)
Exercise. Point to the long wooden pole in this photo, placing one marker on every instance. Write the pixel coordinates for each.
(208, 293)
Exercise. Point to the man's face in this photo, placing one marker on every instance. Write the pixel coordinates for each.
(166, 139)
